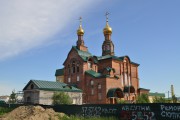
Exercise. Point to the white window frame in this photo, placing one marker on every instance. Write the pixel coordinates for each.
(92, 82)
(99, 86)
(69, 79)
(78, 78)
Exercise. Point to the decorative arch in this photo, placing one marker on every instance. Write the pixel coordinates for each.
(127, 57)
(115, 92)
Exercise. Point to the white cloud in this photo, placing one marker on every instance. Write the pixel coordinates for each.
(25, 24)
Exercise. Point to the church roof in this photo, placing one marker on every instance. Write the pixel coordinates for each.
(59, 72)
(115, 58)
(95, 74)
(83, 54)
(52, 86)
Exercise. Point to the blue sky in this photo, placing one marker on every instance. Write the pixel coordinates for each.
(36, 36)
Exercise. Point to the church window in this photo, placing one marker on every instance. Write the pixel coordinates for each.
(69, 80)
(77, 78)
(77, 67)
(73, 67)
(99, 86)
(89, 65)
(92, 82)
(69, 70)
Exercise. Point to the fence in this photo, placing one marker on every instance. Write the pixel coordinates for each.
(153, 111)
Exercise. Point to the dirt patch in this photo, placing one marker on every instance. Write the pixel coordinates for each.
(32, 113)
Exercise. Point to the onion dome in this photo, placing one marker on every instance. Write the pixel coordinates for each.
(107, 30)
(80, 30)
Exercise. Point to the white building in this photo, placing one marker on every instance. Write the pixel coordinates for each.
(4, 98)
(41, 92)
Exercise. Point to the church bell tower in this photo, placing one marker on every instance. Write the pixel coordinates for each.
(108, 46)
(80, 41)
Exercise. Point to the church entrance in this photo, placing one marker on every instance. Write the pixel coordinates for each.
(114, 94)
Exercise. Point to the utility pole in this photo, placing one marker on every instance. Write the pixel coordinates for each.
(168, 95)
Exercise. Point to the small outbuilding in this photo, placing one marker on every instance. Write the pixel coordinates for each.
(41, 92)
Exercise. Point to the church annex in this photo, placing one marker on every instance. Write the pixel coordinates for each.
(103, 79)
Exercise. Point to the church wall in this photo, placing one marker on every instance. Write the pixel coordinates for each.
(104, 63)
(113, 83)
(95, 91)
(76, 77)
(116, 66)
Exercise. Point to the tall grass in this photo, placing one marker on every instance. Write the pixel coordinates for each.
(4, 110)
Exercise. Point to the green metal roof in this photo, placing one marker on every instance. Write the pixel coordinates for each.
(112, 91)
(143, 89)
(115, 58)
(53, 86)
(83, 54)
(93, 73)
(157, 94)
(59, 72)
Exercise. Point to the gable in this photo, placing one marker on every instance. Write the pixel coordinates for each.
(50, 86)
(79, 54)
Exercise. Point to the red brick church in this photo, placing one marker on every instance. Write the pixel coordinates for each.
(103, 79)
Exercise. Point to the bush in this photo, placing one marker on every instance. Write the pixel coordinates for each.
(61, 98)
(159, 100)
(143, 98)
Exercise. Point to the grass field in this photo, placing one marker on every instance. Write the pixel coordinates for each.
(4, 110)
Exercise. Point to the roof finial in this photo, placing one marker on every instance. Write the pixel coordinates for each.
(107, 29)
(80, 30)
(107, 17)
(80, 20)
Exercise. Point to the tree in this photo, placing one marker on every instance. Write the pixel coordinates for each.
(174, 99)
(159, 100)
(61, 98)
(13, 97)
(143, 98)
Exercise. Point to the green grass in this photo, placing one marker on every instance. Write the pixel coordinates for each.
(89, 118)
(4, 110)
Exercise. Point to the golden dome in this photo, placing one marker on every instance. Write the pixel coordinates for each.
(80, 31)
(107, 29)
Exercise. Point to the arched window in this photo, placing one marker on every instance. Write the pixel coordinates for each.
(77, 67)
(69, 70)
(73, 67)
(90, 64)
(92, 82)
